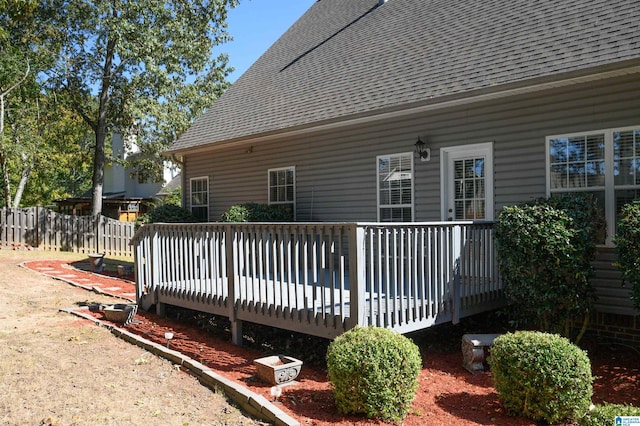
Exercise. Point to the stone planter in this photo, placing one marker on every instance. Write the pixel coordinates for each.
(97, 261)
(474, 351)
(124, 271)
(278, 369)
(120, 313)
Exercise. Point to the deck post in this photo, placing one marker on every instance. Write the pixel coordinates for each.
(357, 279)
(456, 303)
(161, 309)
(154, 259)
(230, 243)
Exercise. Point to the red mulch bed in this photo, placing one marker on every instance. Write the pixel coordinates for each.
(447, 393)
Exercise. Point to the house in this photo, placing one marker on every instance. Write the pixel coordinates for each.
(125, 196)
(507, 101)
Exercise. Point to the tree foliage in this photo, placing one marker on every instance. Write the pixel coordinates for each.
(24, 52)
(138, 65)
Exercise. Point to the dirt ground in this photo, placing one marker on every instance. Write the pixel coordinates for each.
(96, 379)
(58, 370)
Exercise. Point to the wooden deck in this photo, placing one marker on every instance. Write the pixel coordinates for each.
(321, 278)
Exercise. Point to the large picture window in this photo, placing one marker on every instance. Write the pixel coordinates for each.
(605, 163)
(199, 198)
(282, 185)
(395, 187)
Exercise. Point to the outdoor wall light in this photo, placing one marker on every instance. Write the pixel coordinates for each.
(423, 151)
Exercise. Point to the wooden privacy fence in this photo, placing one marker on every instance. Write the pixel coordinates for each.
(320, 278)
(48, 230)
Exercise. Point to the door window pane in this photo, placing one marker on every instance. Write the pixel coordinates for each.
(469, 188)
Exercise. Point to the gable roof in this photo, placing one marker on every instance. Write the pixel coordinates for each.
(345, 59)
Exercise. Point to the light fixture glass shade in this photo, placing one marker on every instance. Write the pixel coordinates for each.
(422, 150)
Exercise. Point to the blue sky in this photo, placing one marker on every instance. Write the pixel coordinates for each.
(255, 25)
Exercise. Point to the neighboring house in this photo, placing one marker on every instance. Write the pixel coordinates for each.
(173, 186)
(514, 100)
(125, 197)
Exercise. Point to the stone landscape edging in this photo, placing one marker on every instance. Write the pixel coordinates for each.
(251, 402)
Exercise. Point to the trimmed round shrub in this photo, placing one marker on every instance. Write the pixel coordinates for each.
(374, 372)
(606, 414)
(541, 376)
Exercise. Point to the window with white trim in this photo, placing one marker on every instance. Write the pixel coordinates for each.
(605, 163)
(199, 198)
(395, 187)
(282, 185)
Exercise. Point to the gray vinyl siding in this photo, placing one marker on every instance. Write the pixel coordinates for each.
(336, 170)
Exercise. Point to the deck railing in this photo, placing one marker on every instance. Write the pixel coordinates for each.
(321, 278)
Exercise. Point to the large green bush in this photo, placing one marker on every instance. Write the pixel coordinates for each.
(627, 241)
(541, 376)
(167, 213)
(374, 372)
(545, 249)
(586, 213)
(606, 414)
(255, 212)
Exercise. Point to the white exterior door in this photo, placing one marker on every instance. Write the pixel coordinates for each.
(467, 182)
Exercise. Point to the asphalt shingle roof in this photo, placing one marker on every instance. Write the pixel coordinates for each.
(348, 58)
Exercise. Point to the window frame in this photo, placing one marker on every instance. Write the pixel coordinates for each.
(292, 202)
(191, 196)
(411, 205)
(609, 187)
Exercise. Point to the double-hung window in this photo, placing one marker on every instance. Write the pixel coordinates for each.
(199, 198)
(605, 163)
(395, 187)
(282, 186)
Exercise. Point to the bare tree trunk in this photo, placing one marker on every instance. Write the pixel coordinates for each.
(5, 180)
(3, 157)
(101, 130)
(24, 178)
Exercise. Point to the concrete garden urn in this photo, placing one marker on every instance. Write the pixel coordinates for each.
(278, 369)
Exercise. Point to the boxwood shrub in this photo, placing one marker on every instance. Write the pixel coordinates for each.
(374, 372)
(255, 212)
(541, 376)
(606, 414)
(167, 213)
